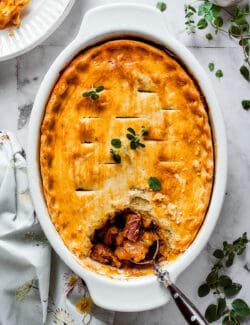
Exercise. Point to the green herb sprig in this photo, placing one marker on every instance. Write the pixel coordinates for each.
(135, 142)
(209, 14)
(223, 286)
(189, 19)
(136, 138)
(94, 93)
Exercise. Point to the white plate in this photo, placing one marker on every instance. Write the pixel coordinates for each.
(39, 19)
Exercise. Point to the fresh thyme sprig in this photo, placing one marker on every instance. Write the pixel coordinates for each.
(136, 138)
(94, 93)
(223, 287)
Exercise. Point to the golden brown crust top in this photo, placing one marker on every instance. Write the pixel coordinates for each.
(144, 86)
(10, 11)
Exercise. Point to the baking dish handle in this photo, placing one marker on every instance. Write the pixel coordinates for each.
(122, 18)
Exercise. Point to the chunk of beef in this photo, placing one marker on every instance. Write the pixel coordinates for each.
(132, 226)
(110, 236)
(119, 238)
(104, 254)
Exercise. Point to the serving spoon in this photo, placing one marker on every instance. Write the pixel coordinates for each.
(186, 307)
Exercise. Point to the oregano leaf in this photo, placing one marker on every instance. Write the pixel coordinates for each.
(212, 277)
(246, 104)
(219, 73)
(211, 66)
(221, 306)
(162, 6)
(245, 72)
(131, 130)
(203, 290)
(154, 183)
(218, 253)
(209, 36)
(211, 313)
(232, 289)
(241, 308)
(225, 281)
(116, 143)
(202, 23)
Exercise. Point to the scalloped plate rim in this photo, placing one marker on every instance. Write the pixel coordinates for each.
(42, 37)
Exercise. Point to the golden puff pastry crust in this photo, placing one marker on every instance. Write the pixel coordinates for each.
(10, 11)
(84, 187)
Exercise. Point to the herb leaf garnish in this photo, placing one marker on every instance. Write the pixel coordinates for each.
(99, 89)
(93, 94)
(116, 155)
(202, 24)
(223, 287)
(246, 104)
(116, 143)
(209, 36)
(245, 72)
(154, 183)
(211, 66)
(241, 308)
(162, 6)
(135, 139)
(219, 73)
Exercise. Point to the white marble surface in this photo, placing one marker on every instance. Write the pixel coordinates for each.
(21, 77)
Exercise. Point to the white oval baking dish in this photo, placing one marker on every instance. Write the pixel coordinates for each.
(105, 22)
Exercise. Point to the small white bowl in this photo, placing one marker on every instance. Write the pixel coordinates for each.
(105, 22)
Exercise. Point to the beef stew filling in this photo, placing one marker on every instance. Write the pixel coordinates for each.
(125, 239)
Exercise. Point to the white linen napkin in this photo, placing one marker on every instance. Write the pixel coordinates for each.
(26, 296)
